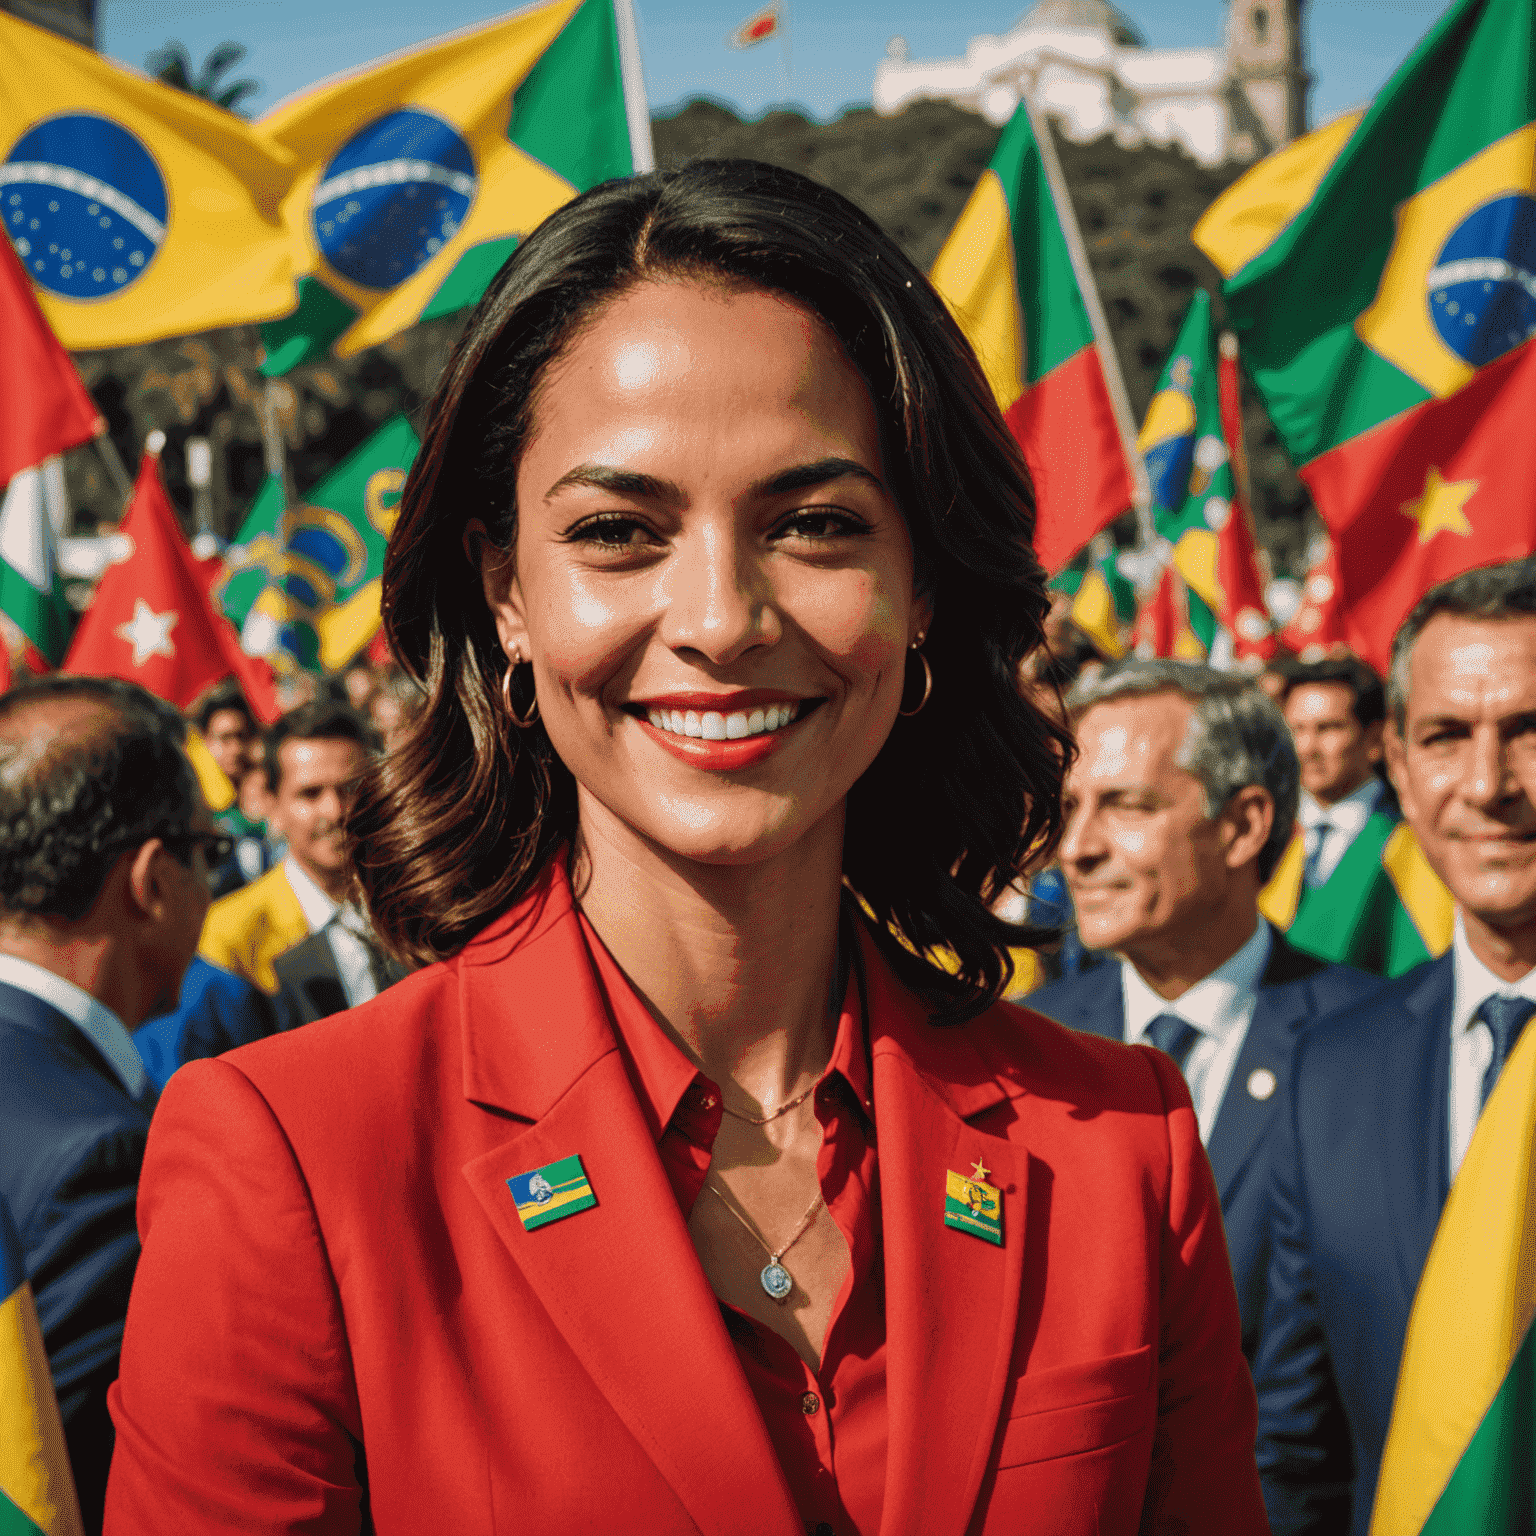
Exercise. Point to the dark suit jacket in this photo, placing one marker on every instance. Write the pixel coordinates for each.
(1294, 991)
(71, 1146)
(1359, 1173)
(310, 986)
(217, 1011)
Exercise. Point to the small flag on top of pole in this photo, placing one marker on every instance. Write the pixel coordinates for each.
(758, 27)
(1016, 275)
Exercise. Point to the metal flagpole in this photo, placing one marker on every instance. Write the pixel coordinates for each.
(1141, 487)
(112, 462)
(636, 109)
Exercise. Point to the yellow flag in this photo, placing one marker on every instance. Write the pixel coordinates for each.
(418, 175)
(138, 211)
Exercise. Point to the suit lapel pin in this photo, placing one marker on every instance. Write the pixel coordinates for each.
(972, 1205)
(552, 1193)
(1261, 1083)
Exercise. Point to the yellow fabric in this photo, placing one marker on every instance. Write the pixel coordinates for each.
(224, 259)
(1398, 324)
(1279, 899)
(1093, 611)
(218, 790)
(1475, 1302)
(975, 276)
(1420, 889)
(34, 1464)
(248, 929)
(467, 81)
(1195, 556)
(1256, 207)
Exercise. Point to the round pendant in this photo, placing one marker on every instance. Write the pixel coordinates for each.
(776, 1280)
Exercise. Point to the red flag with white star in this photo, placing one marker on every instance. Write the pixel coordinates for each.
(151, 622)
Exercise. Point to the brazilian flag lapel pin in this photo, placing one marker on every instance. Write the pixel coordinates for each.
(552, 1193)
(972, 1205)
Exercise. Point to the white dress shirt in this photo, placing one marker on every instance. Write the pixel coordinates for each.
(1472, 1043)
(342, 927)
(96, 1022)
(1220, 1007)
(1346, 821)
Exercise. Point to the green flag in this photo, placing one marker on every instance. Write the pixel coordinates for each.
(302, 583)
(31, 589)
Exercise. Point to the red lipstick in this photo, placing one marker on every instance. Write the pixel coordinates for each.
(723, 732)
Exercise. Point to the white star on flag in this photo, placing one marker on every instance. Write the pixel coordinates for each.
(148, 632)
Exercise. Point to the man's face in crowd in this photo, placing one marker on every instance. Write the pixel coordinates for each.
(1465, 763)
(1337, 753)
(314, 794)
(230, 738)
(1142, 858)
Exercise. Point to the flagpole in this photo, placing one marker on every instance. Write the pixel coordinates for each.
(112, 461)
(636, 109)
(1109, 359)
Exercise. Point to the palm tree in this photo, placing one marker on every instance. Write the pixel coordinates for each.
(173, 65)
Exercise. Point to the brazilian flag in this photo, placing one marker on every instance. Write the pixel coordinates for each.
(302, 584)
(419, 175)
(1103, 600)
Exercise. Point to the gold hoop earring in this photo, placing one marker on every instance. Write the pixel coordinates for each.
(927, 681)
(522, 722)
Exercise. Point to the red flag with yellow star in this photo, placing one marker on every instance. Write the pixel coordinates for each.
(1381, 274)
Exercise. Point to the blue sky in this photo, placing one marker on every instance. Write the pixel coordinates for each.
(1354, 45)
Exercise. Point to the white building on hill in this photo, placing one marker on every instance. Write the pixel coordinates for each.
(1084, 63)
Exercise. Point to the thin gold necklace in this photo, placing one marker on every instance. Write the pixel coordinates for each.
(772, 1115)
(775, 1279)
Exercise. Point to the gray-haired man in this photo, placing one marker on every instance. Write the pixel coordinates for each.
(1177, 809)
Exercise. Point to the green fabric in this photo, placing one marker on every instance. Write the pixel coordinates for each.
(1294, 306)
(1056, 324)
(569, 112)
(470, 278)
(250, 560)
(13, 1522)
(1355, 917)
(43, 617)
(1492, 1491)
(308, 332)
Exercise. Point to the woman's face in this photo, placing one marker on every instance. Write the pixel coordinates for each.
(711, 578)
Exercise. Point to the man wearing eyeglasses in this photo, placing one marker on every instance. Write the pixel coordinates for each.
(105, 850)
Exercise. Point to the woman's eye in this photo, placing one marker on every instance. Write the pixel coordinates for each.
(822, 523)
(613, 535)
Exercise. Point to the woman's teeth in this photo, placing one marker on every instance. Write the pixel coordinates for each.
(713, 726)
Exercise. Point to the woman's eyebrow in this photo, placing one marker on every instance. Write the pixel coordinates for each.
(643, 487)
(803, 476)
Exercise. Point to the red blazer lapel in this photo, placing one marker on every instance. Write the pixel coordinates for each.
(952, 1299)
(620, 1281)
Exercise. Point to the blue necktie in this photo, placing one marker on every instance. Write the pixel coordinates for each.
(1317, 838)
(1505, 1018)
(1173, 1036)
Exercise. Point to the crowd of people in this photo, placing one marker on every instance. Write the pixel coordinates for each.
(490, 1247)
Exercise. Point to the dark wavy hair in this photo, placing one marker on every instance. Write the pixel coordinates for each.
(71, 806)
(456, 824)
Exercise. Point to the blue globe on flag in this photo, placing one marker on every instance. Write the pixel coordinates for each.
(392, 197)
(84, 205)
(1482, 289)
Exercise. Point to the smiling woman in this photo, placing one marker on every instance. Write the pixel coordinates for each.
(682, 1190)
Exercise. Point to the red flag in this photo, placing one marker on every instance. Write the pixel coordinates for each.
(757, 28)
(1318, 626)
(151, 621)
(44, 408)
(1238, 572)
(1162, 625)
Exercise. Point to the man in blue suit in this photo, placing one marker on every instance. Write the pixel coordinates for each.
(104, 842)
(1177, 810)
(1384, 1100)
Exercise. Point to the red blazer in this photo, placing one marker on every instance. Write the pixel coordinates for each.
(333, 1262)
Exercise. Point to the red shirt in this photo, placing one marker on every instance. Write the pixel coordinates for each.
(827, 1426)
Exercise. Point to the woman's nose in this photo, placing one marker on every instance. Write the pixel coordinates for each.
(719, 598)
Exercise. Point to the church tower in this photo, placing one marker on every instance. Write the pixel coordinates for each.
(1268, 60)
